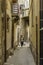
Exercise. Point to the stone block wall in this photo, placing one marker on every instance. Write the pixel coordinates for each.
(1, 56)
(34, 23)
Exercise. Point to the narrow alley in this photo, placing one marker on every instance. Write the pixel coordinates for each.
(22, 56)
(21, 32)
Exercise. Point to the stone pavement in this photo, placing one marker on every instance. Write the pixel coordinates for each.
(22, 56)
(25, 44)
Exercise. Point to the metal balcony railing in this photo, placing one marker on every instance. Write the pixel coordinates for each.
(25, 12)
(15, 9)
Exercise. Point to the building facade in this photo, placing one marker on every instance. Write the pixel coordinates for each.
(34, 18)
(8, 25)
(5, 30)
(15, 23)
(1, 49)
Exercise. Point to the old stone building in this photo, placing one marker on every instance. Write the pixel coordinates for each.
(16, 19)
(8, 25)
(34, 22)
(1, 55)
(5, 30)
(15, 23)
(24, 10)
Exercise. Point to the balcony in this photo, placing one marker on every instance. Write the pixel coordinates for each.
(25, 13)
(15, 9)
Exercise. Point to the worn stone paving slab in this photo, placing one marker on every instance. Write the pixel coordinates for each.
(25, 44)
(22, 56)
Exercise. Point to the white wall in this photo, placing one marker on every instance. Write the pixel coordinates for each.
(20, 1)
(26, 5)
(25, 2)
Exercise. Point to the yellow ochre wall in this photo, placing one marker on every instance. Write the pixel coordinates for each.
(34, 19)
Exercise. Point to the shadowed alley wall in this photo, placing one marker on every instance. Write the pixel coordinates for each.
(34, 22)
